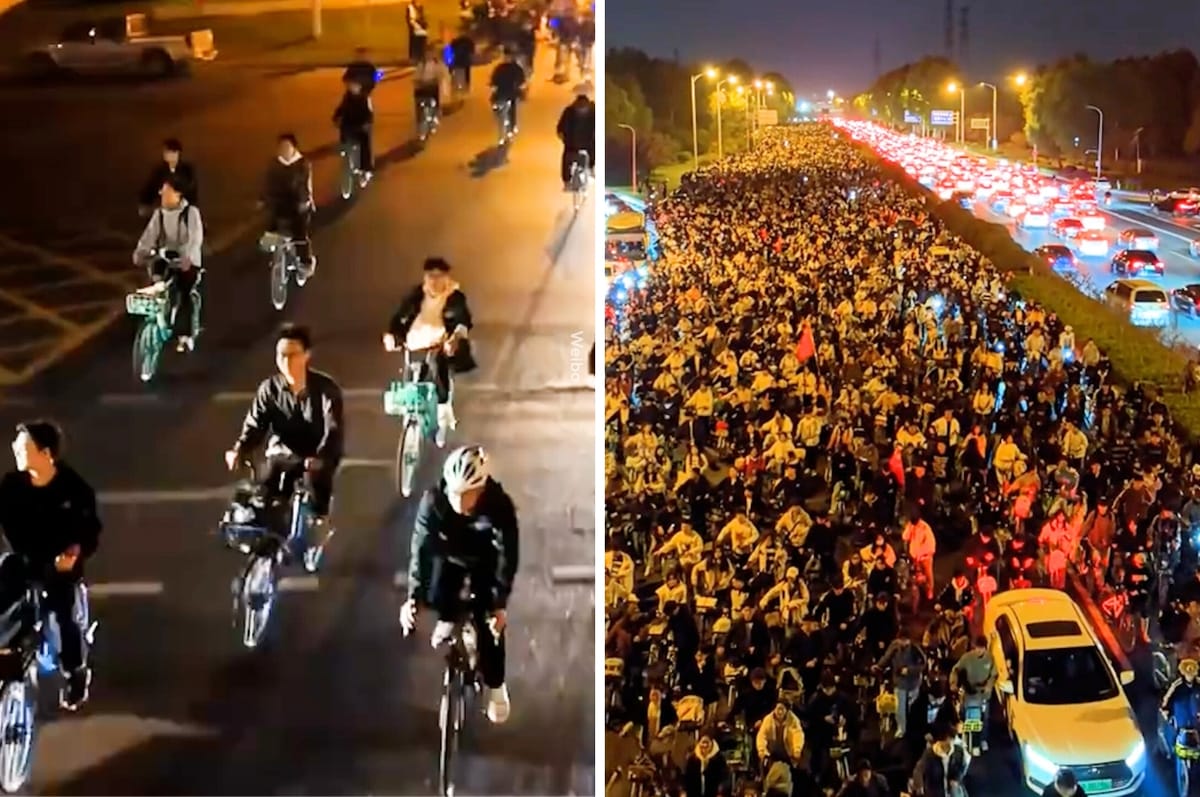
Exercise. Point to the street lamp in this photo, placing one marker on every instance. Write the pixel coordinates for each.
(1137, 145)
(1020, 78)
(962, 108)
(1099, 138)
(741, 90)
(831, 94)
(710, 73)
(993, 124)
(632, 154)
(731, 80)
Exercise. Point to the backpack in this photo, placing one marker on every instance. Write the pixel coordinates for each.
(179, 230)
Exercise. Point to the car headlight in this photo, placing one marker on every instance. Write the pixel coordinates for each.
(1040, 764)
(1137, 757)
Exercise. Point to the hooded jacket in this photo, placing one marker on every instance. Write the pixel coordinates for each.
(705, 774)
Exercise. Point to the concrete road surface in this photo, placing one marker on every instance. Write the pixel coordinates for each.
(337, 702)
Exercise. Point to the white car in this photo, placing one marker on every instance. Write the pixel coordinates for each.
(1035, 219)
(1016, 209)
(1061, 698)
(1092, 221)
(1092, 243)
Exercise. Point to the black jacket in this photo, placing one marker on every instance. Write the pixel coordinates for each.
(159, 174)
(577, 127)
(41, 522)
(362, 73)
(486, 546)
(353, 112)
(310, 424)
(462, 52)
(456, 313)
(704, 777)
(507, 80)
(288, 185)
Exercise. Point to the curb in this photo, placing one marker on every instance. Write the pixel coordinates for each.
(1099, 623)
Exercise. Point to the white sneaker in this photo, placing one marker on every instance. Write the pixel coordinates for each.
(441, 633)
(446, 422)
(186, 343)
(497, 704)
(983, 746)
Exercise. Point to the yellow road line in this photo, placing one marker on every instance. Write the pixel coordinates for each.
(48, 256)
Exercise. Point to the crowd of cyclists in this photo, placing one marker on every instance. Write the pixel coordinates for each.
(833, 431)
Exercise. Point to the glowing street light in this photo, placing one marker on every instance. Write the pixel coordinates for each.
(953, 87)
(1020, 78)
(733, 81)
(711, 74)
(831, 94)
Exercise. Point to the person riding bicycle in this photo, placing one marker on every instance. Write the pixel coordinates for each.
(298, 413)
(171, 165)
(362, 71)
(354, 117)
(466, 528)
(49, 518)
(508, 84)
(171, 247)
(288, 196)
(577, 131)
(1181, 702)
(975, 674)
(435, 314)
(462, 58)
(429, 78)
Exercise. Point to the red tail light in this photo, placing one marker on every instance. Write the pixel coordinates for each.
(970, 561)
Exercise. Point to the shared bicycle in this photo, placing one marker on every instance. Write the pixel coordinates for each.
(413, 399)
(153, 304)
(579, 179)
(285, 266)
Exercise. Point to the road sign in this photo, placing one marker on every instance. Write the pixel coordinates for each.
(942, 118)
(911, 118)
(768, 117)
(981, 123)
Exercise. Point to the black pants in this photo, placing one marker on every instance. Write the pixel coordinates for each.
(445, 590)
(281, 476)
(463, 74)
(416, 46)
(294, 225)
(361, 137)
(568, 157)
(184, 286)
(60, 600)
(500, 99)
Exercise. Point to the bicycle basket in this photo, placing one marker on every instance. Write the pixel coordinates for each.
(973, 719)
(885, 703)
(242, 537)
(1187, 744)
(273, 241)
(412, 398)
(614, 668)
(145, 304)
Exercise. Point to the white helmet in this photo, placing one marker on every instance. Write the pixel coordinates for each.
(466, 469)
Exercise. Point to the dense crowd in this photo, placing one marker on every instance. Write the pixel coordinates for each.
(833, 432)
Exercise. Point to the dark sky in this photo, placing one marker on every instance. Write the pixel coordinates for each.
(827, 44)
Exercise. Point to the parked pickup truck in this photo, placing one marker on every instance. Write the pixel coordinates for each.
(119, 45)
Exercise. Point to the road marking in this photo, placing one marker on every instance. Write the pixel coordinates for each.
(573, 574)
(1139, 223)
(367, 463)
(150, 497)
(122, 588)
(299, 584)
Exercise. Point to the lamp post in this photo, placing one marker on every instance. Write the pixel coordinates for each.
(731, 80)
(709, 73)
(992, 126)
(1021, 79)
(1137, 146)
(1099, 138)
(632, 154)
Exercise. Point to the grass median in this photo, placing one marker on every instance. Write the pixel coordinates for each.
(1136, 353)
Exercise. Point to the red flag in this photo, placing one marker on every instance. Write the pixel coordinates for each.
(807, 347)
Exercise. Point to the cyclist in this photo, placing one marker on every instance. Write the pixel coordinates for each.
(508, 84)
(362, 71)
(288, 196)
(462, 57)
(172, 164)
(300, 410)
(577, 131)
(466, 527)
(354, 117)
(975, 674)
(435, 314)
(48, 513)
(1180, 703)
(429, 78)
(172, 247)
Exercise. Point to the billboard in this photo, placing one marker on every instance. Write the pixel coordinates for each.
(942, 118)
(911, 118)
(767, 117)
(981, 123)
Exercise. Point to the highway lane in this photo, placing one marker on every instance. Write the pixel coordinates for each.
(337, 702)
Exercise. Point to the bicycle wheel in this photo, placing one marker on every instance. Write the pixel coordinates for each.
(580, 192)
(408, 456)
(450, 718)
(258, 592)
(347, 186)
(147, 350)
(16, 736)
(279, 281)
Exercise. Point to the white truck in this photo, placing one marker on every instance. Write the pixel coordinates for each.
(119, 45)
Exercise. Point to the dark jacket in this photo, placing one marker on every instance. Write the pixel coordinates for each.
(446, 545)
(577, 127)
(703, 776)
(353, 112)
(159, 174)
(288, 186)
(877, 786)
(363, 73)
(456, 314)
(311, 424)
(507, 80)
(42, 522)
(462, 52)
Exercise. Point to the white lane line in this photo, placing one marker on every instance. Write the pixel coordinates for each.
(146, 497)
(299, 584)
(573, 574)
(1140, 224)
(366, 463)
(128, 399)
(120, 588)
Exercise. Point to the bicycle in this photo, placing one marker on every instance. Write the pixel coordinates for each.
(284, 263)
(503, 113)
(32, 647)
(973, 704)
(248, 527)
(413, 399)
(579, 179)
(353, 177)
(427, 119)
(153, 305)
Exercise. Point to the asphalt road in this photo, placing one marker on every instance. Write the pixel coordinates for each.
(337, 702)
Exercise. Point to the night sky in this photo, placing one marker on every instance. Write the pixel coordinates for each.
(824, 44)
